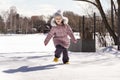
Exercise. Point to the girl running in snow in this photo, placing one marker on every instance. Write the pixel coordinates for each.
(60, 31)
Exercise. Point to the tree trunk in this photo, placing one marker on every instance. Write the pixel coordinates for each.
(106, 22)
(118, 24)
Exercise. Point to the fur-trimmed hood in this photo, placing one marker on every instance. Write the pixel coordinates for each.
(65, 21)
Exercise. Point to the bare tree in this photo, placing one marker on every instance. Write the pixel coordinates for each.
(38, 22)
(118, 24)
(1, 24)
(5, 15)
(26, 24)
(12, 17)
(74, 20)
(98, 4)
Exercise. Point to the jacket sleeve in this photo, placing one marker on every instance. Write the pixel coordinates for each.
(49, 36)
(70, 33)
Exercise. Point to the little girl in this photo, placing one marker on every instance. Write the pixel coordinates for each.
(60, 31)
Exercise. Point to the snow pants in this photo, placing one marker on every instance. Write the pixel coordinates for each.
(59, 50)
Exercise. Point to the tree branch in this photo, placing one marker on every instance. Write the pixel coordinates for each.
(88, 2)
(115, 8)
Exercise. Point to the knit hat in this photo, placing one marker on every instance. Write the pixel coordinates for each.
(58, 13)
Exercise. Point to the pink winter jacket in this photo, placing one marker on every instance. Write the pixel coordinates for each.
(60, 36)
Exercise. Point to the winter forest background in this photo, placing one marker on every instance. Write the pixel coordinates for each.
(12, 22)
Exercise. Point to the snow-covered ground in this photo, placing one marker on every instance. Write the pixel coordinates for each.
(24, 57)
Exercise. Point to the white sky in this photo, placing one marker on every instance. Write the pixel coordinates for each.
(47, 7)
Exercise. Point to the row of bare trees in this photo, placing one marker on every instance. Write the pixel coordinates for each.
(13, 22)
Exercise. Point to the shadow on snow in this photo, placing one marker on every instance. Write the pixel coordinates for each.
(30, 69)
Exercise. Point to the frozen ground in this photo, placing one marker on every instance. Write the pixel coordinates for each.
(24, 57)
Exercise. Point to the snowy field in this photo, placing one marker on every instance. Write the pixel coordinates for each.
(24, 57)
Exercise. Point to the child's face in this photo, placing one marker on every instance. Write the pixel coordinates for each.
(58, 20)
